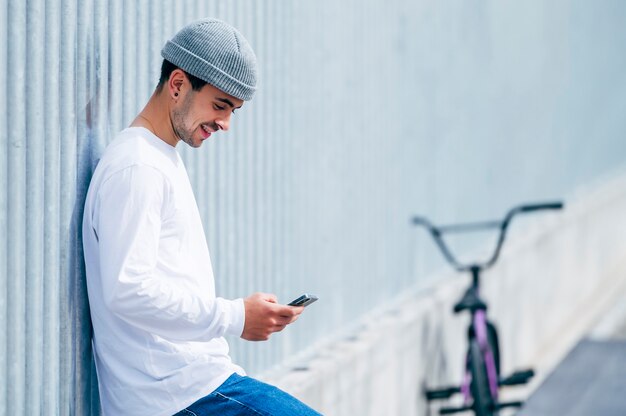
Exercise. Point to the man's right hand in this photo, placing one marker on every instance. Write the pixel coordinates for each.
(264, 316)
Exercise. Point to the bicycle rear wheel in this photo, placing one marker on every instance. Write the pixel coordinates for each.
(479, 387)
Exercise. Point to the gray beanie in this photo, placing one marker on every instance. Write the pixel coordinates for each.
(216, 53)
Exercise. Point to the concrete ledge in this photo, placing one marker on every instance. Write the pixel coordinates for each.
(551, 285)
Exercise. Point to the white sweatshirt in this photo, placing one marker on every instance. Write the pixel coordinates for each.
(158, 326)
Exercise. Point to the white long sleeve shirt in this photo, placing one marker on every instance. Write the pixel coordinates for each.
(158, 325)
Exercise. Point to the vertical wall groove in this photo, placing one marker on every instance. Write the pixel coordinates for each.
(16, 208)
(34, 173)
(4, 207)
(68, 96)
(52, 235)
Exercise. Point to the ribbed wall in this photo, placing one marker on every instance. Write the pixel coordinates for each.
(367, 112)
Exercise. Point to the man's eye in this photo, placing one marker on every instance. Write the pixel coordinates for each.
(219, 107)
(234, 110)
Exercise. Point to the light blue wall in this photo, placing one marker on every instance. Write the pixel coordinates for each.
(518, 100)
(513, 101)
(367, 112)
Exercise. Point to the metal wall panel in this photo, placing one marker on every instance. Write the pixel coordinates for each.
(16, 208)
(366, 112)
(4, 196)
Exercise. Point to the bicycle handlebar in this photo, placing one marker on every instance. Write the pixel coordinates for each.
(537, 207)
(436, 232)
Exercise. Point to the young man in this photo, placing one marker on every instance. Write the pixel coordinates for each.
(158, 325)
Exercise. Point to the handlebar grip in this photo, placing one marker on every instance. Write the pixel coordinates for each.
(537, 207)
(420, 221)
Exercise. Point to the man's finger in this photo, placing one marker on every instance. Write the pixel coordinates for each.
(270, 297)
(289, 311)
(279, 328)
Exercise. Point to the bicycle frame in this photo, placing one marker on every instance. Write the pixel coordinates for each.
(480, 326)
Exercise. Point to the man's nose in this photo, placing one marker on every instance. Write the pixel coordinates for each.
(223, 123)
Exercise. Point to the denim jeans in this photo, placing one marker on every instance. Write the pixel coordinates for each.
(245, 396)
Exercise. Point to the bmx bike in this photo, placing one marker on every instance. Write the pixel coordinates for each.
(482, 380)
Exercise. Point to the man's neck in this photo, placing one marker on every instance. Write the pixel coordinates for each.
(155, 117)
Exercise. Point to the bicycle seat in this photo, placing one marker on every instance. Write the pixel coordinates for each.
(470, 301)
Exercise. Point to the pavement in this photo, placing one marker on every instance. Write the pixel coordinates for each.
(591, 379)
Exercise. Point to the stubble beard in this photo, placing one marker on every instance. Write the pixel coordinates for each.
(178, 123)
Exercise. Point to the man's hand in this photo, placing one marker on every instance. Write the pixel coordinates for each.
(264, 316)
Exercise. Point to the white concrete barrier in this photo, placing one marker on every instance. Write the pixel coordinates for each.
(552, 282)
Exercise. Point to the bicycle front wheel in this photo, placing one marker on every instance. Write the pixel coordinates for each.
(492, 338)
(483, 404)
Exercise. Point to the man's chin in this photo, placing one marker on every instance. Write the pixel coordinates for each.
(193, 143)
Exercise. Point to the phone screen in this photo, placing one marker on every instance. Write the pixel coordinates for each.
(303, 300)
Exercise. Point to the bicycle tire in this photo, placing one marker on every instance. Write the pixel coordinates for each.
(479, 386)
(492, 338)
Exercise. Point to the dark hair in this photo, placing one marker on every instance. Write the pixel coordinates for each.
(166, 70)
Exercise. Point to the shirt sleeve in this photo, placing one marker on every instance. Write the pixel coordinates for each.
(127, 220)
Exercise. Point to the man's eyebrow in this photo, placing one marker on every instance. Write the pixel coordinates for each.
(227, 101)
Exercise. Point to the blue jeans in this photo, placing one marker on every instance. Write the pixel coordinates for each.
(245, 396)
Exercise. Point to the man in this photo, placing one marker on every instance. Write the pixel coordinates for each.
(158, 325)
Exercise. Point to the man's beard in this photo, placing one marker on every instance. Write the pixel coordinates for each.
(178, 122)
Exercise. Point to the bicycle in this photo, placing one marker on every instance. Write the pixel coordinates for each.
(482, 379)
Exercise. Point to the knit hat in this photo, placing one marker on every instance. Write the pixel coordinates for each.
(216, 53)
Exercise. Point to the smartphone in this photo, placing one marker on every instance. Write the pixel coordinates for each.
(303, 300)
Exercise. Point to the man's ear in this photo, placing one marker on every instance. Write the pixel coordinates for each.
(176, 83)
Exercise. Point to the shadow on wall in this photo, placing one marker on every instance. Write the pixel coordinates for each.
(85, 383)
